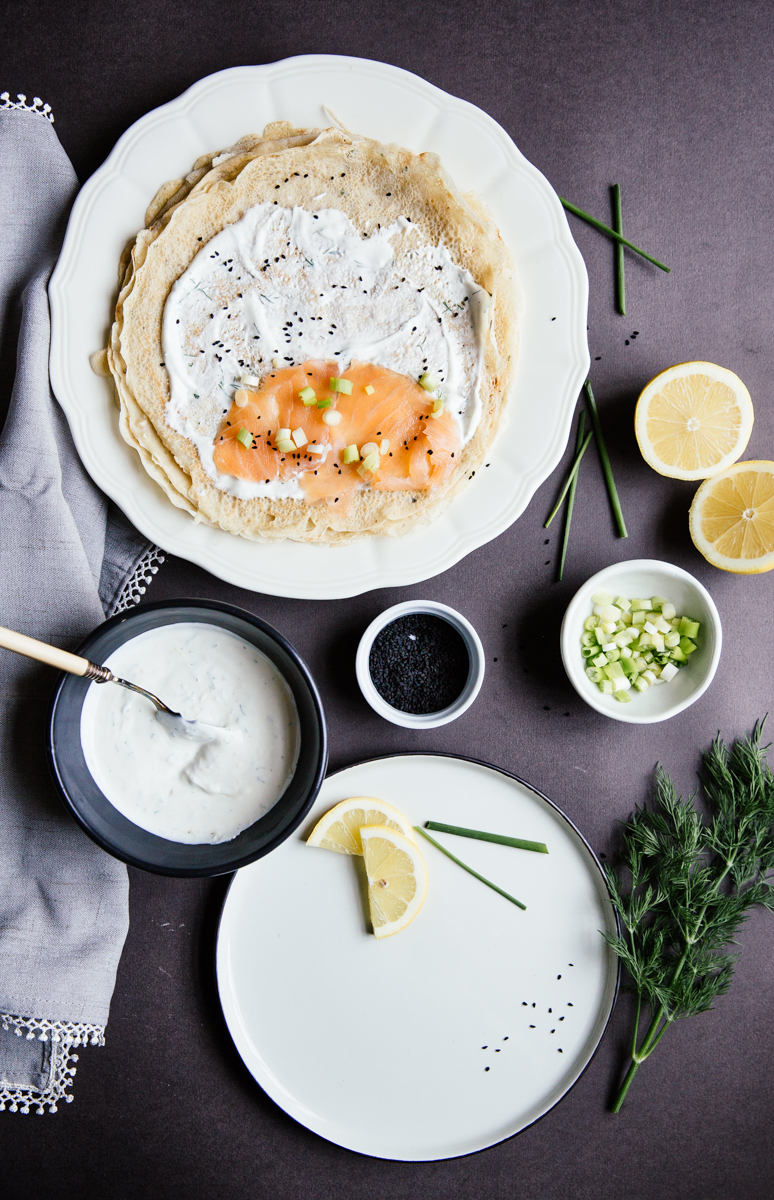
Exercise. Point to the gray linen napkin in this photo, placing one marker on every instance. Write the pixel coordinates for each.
(66, 558)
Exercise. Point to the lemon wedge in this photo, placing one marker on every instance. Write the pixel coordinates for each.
(340, 828)
(732, 518)
(693, 420)
(397, 878)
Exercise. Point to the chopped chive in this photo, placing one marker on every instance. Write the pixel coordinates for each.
(607, 470)
(245, 437)
(324, 403)
(611, 233)
(470, 870)
(459, 831)
(620, 277)
(568, 481)
(571, 498)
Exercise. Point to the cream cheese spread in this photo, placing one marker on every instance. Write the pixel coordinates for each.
(281, 286)
(181, 789)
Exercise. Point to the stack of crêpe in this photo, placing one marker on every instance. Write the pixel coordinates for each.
(314, 337)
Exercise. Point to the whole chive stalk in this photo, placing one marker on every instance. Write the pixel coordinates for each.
(580, 451)
(571, 498)
(620, 277)
(611, 233)
(607, 470)
(470, 870)
(500, 839)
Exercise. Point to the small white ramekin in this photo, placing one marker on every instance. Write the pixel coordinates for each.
(466, 696)
(645, 577)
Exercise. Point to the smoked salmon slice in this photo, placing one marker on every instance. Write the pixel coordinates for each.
(407, 448)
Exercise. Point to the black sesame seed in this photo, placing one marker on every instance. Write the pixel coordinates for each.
(419, 663)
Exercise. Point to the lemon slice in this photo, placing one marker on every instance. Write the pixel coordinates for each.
(340, 828)
(693, 420)
(732, 518)
(397, 878)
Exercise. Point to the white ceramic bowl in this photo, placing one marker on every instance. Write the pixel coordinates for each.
(466, 696)
(645, 577)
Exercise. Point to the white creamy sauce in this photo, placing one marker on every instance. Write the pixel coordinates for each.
(180, 789)
(281, 286)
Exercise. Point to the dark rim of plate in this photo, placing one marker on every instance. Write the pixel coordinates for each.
(72, 689)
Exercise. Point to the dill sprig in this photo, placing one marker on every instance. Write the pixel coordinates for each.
(685, 885)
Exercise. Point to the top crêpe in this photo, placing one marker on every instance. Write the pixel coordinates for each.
(322, 254)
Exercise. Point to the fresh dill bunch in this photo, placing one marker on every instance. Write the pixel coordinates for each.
(685, 884)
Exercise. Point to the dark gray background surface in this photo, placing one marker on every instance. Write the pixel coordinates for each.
(674, 102)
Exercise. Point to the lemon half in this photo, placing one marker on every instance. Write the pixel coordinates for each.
(397, 878)
(693, 420)
(340, 828)
(732, 518)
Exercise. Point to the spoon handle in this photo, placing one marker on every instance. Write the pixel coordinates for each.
(19, 643)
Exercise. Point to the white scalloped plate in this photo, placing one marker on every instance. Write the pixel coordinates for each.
(453, 1035)
(392, 105)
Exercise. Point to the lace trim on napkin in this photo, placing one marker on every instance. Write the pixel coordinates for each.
(139, 580)
(37, 107)
(63, 1036)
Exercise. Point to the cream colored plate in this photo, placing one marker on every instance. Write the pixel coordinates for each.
(383, 1047)
(392, 105)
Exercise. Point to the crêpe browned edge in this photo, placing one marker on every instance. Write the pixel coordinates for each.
(219, 190)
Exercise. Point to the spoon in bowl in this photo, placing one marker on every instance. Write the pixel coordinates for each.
(174, 722)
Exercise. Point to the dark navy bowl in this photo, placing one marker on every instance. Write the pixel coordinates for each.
(125, 840)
